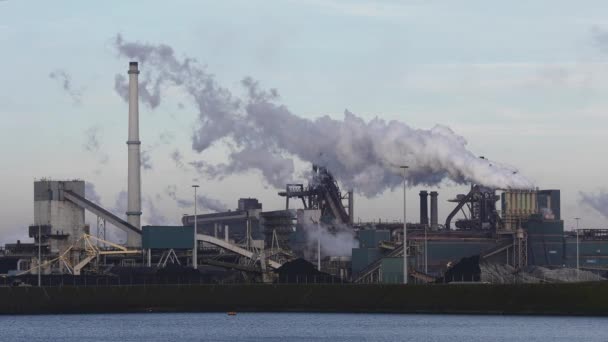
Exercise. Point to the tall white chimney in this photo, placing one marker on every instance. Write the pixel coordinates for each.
(134, 178)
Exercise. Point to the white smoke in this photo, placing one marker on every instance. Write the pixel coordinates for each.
(363, 155)
(203, 202)
(120, 205)
(598, 202)
(91, 194)
(338, 242)
(153, 215)
(149, 93)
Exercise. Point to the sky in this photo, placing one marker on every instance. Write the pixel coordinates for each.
(524, 83)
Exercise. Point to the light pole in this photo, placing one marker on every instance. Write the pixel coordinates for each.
(404, 167)
(38, 218)
(426, 263)
(577, 248)
(39, 253)
(195, 247)
(319, 246)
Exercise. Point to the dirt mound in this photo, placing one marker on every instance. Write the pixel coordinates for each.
(302, 271)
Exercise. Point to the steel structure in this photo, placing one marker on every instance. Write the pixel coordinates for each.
(88, 244)
(481, 205)
(322, 193)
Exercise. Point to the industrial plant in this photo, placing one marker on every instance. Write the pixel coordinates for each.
(490, 235)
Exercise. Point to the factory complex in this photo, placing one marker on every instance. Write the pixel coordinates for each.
(515, 230)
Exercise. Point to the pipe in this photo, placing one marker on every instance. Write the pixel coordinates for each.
(424, 208)
(434, 215)
(134, 166)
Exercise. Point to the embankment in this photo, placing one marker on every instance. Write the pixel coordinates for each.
(551, 299)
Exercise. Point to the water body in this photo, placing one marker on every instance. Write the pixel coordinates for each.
(299, 327)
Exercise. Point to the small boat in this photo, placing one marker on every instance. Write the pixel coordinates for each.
(231, 313)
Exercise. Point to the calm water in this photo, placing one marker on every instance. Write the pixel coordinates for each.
(299, 327)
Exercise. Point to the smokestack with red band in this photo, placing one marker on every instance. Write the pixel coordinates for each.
(134, 177)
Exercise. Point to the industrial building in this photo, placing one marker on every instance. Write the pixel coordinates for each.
(516, 227)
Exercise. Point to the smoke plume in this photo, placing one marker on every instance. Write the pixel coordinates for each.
(92, 144)
(65, 80)
(120, 205)
(149, 94)
(91, 194)
(598, 202)
(146, 160)
(153, 215)
(203, 202)
(338, 242)
(265, 135)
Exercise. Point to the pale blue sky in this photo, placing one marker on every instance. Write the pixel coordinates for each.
(523, 81)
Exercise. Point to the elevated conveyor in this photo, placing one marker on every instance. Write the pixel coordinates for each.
(133, 233)
(234, 248)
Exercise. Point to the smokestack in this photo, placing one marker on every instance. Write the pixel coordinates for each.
(434, 220)
(424, 208)
(133, 144)
(351, 207)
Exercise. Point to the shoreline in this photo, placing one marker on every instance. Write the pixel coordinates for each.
(577, 299)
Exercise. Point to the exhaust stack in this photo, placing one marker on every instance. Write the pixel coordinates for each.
(434, 218)
(133, 144)
(424, 208)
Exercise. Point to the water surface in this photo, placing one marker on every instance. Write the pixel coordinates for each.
(299, 327)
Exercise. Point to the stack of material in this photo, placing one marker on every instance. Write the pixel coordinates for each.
(301, 271)
(467, 270)
(506, 274)
(471, 270)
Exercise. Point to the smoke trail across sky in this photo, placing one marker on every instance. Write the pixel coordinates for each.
(266, 136)
(65, 80)
(599, 201)
(203, 202)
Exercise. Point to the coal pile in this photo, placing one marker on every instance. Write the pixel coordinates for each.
(300, 271)
(467, 269)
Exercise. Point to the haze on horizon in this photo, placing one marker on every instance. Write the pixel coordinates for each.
(523, 84)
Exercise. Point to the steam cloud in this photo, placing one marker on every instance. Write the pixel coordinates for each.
(91, 194)
(338, 243)
(599, 202)
(363, 155)
(153, 215)
(203, 201)
(66, 83)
